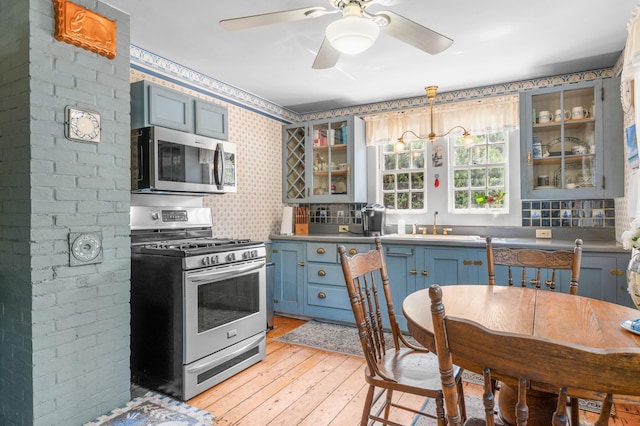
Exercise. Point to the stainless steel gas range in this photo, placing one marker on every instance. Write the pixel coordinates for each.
(198, 303)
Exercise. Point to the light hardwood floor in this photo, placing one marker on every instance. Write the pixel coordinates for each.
(297, 385)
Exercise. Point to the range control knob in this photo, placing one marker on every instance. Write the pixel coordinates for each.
(210, 260)
(250, 254)
(231, 257)
(155, 215)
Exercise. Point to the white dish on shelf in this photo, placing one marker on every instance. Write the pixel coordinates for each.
(546, 187)
(627, 325)
(341, 187)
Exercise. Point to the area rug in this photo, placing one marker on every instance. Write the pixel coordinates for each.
(473, 405)
(154, 409)
(344, 339)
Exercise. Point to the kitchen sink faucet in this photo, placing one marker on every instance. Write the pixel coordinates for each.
(434, 223)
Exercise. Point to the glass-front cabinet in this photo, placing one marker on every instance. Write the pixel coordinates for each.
(572, 141)
(325, 161)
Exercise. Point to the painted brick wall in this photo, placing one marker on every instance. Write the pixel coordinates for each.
(64, 334)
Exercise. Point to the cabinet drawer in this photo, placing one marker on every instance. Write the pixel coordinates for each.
(328, 297)
(325, 274)
(356, 248)
(322, 252)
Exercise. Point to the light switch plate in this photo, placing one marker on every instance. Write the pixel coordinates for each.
(543, 233)
(343, 228)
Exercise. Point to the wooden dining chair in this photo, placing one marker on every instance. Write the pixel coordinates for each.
(549, 365)
(536, 260)
(403, 367)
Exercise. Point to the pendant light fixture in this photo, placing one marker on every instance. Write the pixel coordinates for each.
(432, 92)
(354, 33)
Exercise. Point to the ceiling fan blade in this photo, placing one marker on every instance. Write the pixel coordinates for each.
(414, 34)
(252, 21)
(327, 56)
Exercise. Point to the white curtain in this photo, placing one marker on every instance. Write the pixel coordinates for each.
(478, 115)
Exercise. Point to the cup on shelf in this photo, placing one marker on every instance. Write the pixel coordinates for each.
(558, 115)
(578, 149)
(570, 185)
(543, 180)
(545, 117)
(579, 112)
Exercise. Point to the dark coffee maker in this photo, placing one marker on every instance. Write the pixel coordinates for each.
(373, 216)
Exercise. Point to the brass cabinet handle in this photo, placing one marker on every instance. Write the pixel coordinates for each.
(478, 262)
(616, 272)
(322, 295)
(413, 272)
(528, 158)
(467, 262)
(275, 250)
(321, 273)
(425, 273)
(353, 251)
(300, 263)
(276, 301)
(320, 250)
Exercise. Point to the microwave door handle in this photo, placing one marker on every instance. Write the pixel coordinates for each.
(218, 159)
(140, 163)
(209, 275)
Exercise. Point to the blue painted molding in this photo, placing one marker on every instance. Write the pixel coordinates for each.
(166, 69)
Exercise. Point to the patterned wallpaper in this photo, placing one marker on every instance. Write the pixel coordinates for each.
(255, 124)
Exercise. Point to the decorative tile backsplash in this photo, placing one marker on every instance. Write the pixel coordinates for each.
(563, 214)
(336, 214)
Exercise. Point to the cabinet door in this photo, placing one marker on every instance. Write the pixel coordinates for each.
(567, 141)
(337, 166)
(602, 277)
(450, 266)
(171, 109)
(401, 268)
(294, 182)
(211, 120)
(289, 276)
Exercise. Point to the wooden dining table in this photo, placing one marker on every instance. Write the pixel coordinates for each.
(553, 315)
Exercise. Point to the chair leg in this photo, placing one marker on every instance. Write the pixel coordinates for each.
(387, 409)
(461, 405)
(442, 418)
(574, 411)
(367, 406)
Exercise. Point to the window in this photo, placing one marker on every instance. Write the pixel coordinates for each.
(478, 173)
(403, 176)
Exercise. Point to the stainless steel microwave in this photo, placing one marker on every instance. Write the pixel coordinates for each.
(170, 161)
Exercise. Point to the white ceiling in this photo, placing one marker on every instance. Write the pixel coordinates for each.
(496, 41)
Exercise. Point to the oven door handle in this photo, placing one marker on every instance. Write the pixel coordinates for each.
(198, 277)
(200, 367)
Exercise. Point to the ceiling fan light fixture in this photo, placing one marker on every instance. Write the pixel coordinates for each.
(352, 34)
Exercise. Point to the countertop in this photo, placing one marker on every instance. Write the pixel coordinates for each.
(460, 241)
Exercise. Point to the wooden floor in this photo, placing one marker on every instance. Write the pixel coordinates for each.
(297, 385)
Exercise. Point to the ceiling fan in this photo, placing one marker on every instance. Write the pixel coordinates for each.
(354, 33)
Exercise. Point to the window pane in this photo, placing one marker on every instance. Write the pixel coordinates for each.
(496, 153)
(403, 200)
(478, 177)
(479, 154)
(417, 200)
(417, 180)
(388, 182)
(390, 162)
(403, 160)
(417, 145)
(403, 181)
(418, 160)
(461, 178)
(496, 176)
(388, 148)
(474, 194)
(461, 199)
(390, 201)
(462, 156)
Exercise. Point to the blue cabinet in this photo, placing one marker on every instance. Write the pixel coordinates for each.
(154, 105)
(603, 276)
(575, 154)
(324, 161)
(289, 276)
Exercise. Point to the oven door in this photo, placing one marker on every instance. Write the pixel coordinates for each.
(224, 305)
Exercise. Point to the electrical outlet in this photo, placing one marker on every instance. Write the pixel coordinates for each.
(343, 228)
(543, 233)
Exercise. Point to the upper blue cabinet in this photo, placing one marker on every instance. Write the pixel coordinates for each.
(572, 141)
(153, 105)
